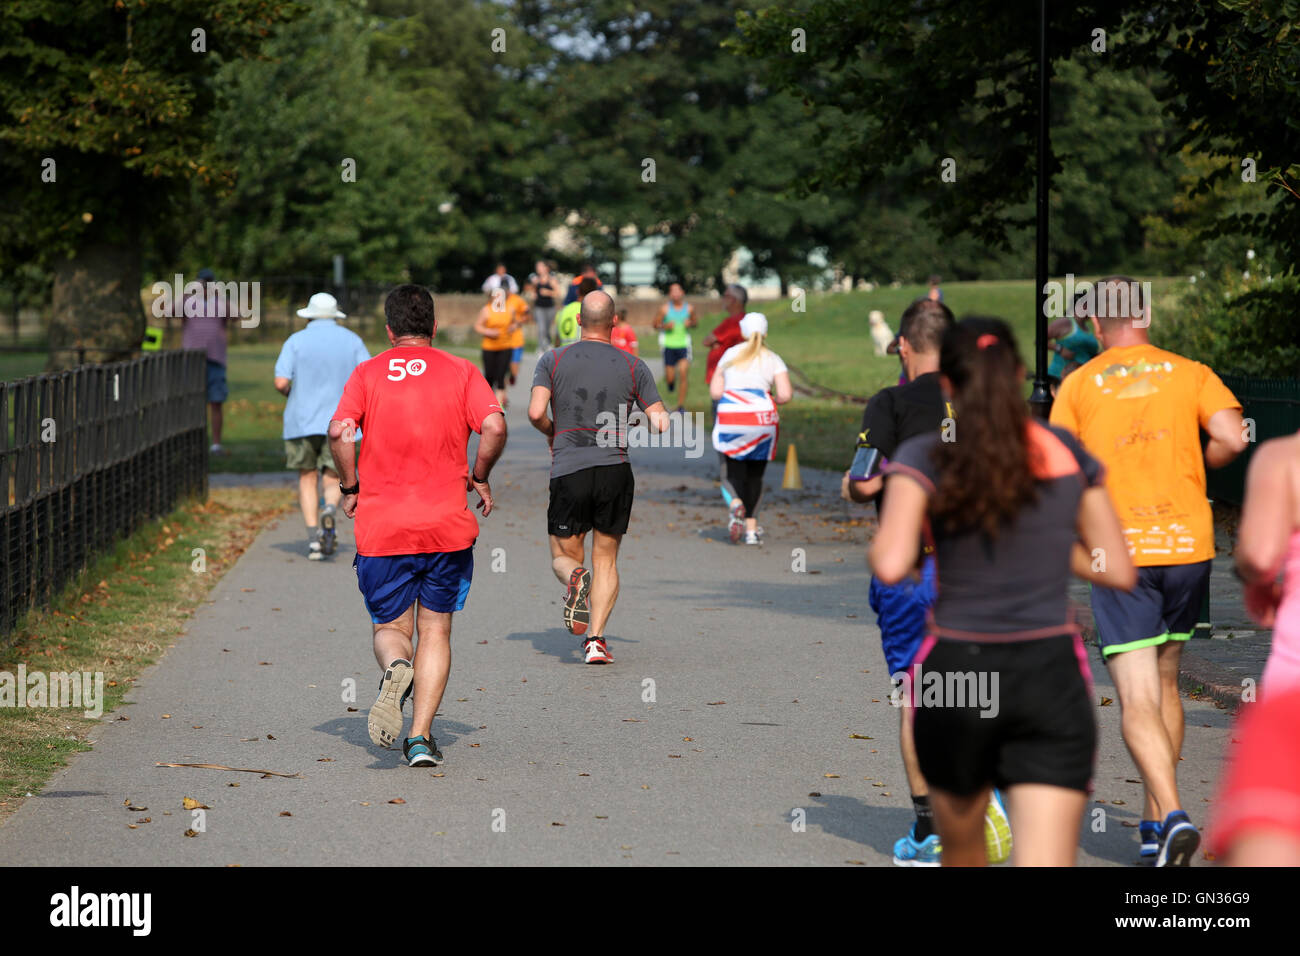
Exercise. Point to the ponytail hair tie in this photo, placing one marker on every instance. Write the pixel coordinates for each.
(987, 339)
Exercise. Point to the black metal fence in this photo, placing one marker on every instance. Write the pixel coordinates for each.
(86, 456)
(1273, 405)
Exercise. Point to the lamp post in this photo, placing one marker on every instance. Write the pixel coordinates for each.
(1040, 400)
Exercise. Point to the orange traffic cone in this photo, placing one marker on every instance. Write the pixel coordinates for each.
(792, 479)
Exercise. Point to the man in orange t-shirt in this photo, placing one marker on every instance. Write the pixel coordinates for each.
(1140, 410)
(415, 532)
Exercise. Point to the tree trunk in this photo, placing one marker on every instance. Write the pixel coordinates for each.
(97, 306)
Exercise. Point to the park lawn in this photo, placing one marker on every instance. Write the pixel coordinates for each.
(117, 618)
(829, 342)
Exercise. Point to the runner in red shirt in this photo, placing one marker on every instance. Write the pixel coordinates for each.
(723, 337)
(416, 406)
(622, 335)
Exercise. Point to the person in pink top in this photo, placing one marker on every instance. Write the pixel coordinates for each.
(205, 329)
(1268, 543)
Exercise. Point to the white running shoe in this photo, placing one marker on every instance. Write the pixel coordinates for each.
(751, 537)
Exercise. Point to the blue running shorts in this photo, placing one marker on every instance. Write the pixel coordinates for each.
(901, 611)
(391, 583)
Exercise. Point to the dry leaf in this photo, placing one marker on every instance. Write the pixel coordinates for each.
(1107, 701)
(815, 793)
(191, 833)
(716, 703)
(860, 737)
(166, 716)
(397, 800)
(352, 710)
(192, 804)
(325, 760)
(269, 737)
(554, 824)
(285, 813)
(831, 775)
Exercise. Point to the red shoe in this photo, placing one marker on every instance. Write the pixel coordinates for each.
(595, 652)
(577, 609)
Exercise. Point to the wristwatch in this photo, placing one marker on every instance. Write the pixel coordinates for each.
(355, 489)
(476, 479)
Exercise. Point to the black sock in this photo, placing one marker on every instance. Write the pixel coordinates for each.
(924, 817)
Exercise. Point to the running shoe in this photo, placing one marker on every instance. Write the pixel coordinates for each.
(513, 378)
(328, 535)
(751, 537)
(908, 852)
(997, 829)
(577, 609)
(1149, 833)
(595, 652)
(681, 409)
(385, 719)
(421, 752)
(314, 550)
(1178, 840)
(736, 522)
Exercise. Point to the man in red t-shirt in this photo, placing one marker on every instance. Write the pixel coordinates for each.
(416, 406)
(723, 337)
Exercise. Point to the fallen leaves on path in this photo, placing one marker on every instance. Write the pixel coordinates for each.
(217, 766)
(191, 804)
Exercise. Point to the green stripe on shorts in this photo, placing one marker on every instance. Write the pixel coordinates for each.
(1145, 642)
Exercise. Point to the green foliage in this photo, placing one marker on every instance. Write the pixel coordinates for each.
(1238, 320)
(116, 95)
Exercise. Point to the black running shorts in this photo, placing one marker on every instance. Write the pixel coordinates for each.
(599, 497)
(1007, 713)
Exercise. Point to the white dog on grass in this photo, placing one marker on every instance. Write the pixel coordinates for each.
(880, 331)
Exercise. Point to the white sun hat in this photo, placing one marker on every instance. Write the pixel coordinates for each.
(753, 322)
(322, 306)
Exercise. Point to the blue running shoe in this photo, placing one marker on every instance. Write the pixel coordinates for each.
(421, 752)
(1149, 832)
(908, 852)
(1178, 841)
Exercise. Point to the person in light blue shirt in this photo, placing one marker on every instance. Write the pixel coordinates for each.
(314, 366)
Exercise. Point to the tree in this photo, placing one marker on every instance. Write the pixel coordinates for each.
(104, 114)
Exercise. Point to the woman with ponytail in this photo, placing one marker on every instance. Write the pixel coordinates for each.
(1000, 690)
(750, 381)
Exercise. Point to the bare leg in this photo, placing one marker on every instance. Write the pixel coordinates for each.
(330, 483)
(432, 668)
(911, 762)
(683, 373)
(1137, 681)
(215, 410)
(604, 579)
(960, 821)
(1045, 820)
(393, 640)
(567, 554)
(307, 496)
(1168, 656)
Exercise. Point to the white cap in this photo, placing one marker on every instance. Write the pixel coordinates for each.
(753, 322)
(322, 306)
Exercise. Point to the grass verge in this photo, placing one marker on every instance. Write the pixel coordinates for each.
(117, 619)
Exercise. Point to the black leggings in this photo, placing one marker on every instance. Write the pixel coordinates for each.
(496, 366)
(746, 477)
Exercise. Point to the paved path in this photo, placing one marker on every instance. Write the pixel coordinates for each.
(761, 675)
